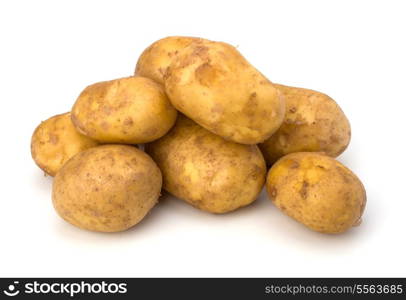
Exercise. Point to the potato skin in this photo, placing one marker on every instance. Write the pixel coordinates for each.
(317, 191)
(108, 188)
(127, 110)
(215, 86)
(55, 141)
(313, 123)
(207, 171)
(155, 59)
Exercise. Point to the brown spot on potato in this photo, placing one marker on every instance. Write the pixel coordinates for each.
(294, 165)
(138, 176)
(198, 140)
(273, 192)
(107, 109)
(256, 172)
(161, 71)
(335, 139)
(206, 74)
(251, 106)
(128, 121)
(217, 108)
(53, 138)
(303, 191)
(201, 51)
(105, 125)
(150, 131)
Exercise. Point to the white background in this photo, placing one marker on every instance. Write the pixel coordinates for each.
(354, 51)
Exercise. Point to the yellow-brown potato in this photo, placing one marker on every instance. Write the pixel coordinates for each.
(155, 59)
(317, 191)
(55, 141)
(207, 171)
(215, 86)
(107, 188)
(128, 110)
(313, 123)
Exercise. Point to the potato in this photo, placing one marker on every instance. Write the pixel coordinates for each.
(155, 60)
(213, 84)
(55, 141)
(108, 188)
(128, 110)
(313, 123)
(317, 191)
(207, 171)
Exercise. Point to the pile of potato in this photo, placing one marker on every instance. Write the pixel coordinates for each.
(211, 124)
